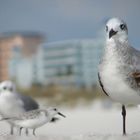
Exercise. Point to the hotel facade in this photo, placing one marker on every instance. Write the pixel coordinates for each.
(66, 63)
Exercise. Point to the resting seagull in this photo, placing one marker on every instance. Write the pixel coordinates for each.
(119, 69)
(12, 103)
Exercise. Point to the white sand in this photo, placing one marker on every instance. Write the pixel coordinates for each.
(85, 123)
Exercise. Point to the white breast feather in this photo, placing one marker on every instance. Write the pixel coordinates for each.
(113, 81)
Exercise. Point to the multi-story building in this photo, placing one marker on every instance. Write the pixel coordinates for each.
(62, 63)
(68, 62)
(58, 63)
(12, 47)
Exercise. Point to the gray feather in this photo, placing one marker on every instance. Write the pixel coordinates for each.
(136, 59)
(28, 102)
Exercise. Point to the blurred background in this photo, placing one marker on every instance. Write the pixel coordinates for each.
(51, 50)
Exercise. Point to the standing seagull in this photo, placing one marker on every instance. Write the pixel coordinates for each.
(119, 69)
(12, 103)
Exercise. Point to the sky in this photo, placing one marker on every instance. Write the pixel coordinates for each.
(69, 19)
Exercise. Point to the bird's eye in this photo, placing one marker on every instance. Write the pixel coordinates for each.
(106, 28)
(4, 88)
(55, 109)
(122, 26)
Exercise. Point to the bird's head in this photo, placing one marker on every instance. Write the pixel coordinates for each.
(54, 111)
(116, 29)
(7, 86)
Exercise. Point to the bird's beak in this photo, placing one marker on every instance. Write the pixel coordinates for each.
(61, 114)
(111, 33)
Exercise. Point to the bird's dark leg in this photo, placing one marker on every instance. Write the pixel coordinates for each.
(27, 132)
(12, 130)
(124, 119)
(34, 131)
(20, 129)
